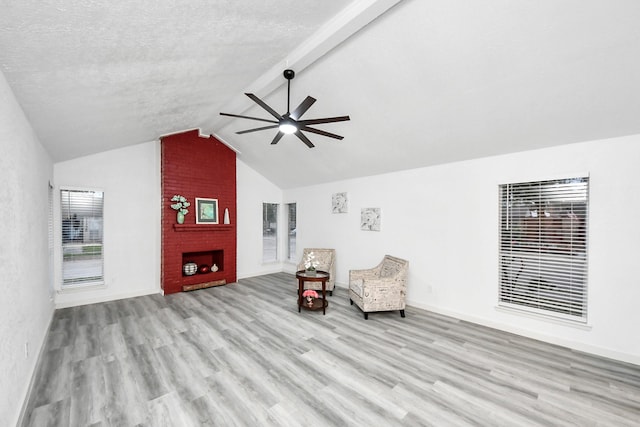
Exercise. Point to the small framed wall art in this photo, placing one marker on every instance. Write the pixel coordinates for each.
(370, 219)
(206, 211)
(339, 203)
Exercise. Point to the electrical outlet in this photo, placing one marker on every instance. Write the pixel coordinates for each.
(26, 350)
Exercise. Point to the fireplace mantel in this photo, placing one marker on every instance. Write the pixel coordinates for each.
(201, 227)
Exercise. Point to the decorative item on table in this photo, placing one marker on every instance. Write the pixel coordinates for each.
(190, 268)
(203, 269)
(310, 264)
(181, 204)
(214, 268)
(309, 295)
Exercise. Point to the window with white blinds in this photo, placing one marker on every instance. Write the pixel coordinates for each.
(82, 254)
(543, 247)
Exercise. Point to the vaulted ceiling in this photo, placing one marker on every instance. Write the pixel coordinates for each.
(425, 82)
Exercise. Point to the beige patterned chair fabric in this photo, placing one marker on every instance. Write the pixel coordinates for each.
(382, 288)
(326, 259)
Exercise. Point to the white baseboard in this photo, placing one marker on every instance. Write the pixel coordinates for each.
(246, 275)
(36, 366)
(105, 298)
(574, 345)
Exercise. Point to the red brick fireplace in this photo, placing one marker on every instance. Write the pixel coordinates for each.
(203, 167)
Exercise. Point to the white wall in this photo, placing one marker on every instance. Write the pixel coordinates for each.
(444, 220)
(132, 220)
(130, 179)
(253, 190)
(26, 308)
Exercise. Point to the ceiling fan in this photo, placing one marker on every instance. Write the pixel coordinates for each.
(289, 122)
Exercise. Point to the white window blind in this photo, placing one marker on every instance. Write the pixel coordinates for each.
(82, 236)
(543, 247)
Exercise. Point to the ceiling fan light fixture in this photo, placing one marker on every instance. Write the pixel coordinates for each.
(290, 123)
(288, 126)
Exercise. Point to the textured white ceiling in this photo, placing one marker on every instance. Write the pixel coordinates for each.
(426, 82)
(94, 75)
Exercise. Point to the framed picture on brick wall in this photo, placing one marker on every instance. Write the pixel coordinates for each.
(206, 211)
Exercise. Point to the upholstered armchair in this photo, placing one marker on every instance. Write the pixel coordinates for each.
(325, 260)
(382, 288)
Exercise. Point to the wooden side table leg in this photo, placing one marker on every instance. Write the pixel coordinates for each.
(300, 286)
(324, 296)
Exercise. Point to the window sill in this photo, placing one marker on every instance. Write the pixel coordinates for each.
(69, 289)
(545, 317)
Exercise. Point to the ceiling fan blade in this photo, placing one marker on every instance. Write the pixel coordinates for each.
(321, 132)
(248, 117)
(261, 103)
(325, 120)
(304, 139)
(277, 138)
(257, 129)
(302, 108)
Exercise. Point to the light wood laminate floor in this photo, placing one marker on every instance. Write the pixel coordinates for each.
(242, 355)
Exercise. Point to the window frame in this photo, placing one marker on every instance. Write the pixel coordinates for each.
(291, 232)
(544, 271)
(86, 281)
(267, 226)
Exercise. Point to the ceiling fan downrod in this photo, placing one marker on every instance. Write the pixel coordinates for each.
(289, 75)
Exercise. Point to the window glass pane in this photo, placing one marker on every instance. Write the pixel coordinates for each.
(543, 250)
(269, 232)
(82, 232)
(292, 231)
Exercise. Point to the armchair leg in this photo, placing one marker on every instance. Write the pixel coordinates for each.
(366, 315)
(401, 313)
(351, 301)
(330, 293)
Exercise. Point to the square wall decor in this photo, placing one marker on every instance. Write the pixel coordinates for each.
(370, 219)
(339, 203)
(206, 211)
